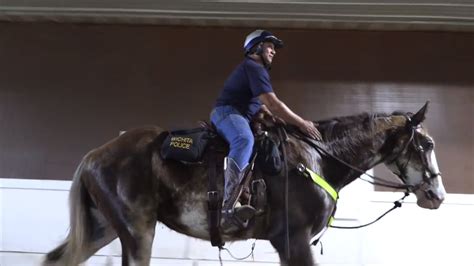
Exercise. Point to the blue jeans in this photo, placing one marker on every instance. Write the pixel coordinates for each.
(235, 129)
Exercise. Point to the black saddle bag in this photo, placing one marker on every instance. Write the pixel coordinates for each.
(268, 158)
(185, 145)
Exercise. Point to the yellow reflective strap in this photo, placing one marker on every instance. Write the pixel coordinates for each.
(331, 220)
(324, 184)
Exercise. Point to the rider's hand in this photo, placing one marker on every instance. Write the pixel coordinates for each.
(310, 130)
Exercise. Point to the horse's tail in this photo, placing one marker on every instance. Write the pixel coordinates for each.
(71, 250)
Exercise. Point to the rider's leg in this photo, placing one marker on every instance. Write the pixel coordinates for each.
(236, 130)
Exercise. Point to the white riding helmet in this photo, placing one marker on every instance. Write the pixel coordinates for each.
(260, 36)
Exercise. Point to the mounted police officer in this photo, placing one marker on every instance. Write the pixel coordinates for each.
(247, 91)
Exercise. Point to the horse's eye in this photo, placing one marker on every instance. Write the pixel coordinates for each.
(429, 145)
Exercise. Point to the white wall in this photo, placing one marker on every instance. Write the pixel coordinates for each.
(34, 219)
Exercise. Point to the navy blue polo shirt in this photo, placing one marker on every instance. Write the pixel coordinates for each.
(242, 88)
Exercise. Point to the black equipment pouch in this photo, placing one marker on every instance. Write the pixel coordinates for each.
(268, 158)
(185, 145)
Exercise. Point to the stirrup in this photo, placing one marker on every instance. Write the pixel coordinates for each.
(237, 218)
(245, 212)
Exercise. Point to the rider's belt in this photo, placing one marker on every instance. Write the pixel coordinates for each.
(318, 180)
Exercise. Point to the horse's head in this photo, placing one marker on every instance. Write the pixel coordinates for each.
(414, 161)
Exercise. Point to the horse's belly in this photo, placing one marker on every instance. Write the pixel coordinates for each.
(193, 217)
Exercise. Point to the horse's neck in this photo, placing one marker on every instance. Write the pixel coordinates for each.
(362, 150)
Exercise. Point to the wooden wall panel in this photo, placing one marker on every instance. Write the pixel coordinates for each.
(66, 88)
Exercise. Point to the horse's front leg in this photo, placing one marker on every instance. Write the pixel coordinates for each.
(299, 247)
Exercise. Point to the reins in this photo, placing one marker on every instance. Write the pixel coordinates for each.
(396, 204)
(283, 136)
(377, 180)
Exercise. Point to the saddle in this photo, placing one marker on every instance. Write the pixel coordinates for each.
(189, 146)
(202, 144)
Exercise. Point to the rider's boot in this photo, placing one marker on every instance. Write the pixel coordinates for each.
(234, 217)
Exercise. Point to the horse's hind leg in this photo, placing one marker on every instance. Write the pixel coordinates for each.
(101, 235)
(133, 221)
(300, 250)
(136, 247)
(136, 233)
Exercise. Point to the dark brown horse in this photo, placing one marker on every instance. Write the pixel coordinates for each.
(124, 187)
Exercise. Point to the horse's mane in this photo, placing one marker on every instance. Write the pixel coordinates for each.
(343, 134)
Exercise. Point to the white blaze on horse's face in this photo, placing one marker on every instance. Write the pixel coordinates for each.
(420, 170)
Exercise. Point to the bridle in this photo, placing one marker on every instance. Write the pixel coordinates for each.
(428, 174)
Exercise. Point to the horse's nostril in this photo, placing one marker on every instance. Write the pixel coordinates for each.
(431, 195)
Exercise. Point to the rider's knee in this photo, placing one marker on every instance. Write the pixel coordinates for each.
(244, 142)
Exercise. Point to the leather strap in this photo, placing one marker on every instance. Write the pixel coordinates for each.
(214, 202)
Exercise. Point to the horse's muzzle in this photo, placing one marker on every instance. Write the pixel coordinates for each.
(429, 199)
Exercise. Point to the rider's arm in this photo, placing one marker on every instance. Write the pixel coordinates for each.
(280, 109)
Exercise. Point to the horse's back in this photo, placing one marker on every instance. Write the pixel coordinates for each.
(122, 166)
(133, 142)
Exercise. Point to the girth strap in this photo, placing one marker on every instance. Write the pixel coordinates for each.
(321, 182)
(213, 200)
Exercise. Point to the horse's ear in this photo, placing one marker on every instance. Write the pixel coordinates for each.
(419, 117)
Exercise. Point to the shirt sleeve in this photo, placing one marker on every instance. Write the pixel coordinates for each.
(259, 79)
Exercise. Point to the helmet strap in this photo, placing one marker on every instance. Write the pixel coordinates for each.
(265, 64)
(259, 52)
(259, 48)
